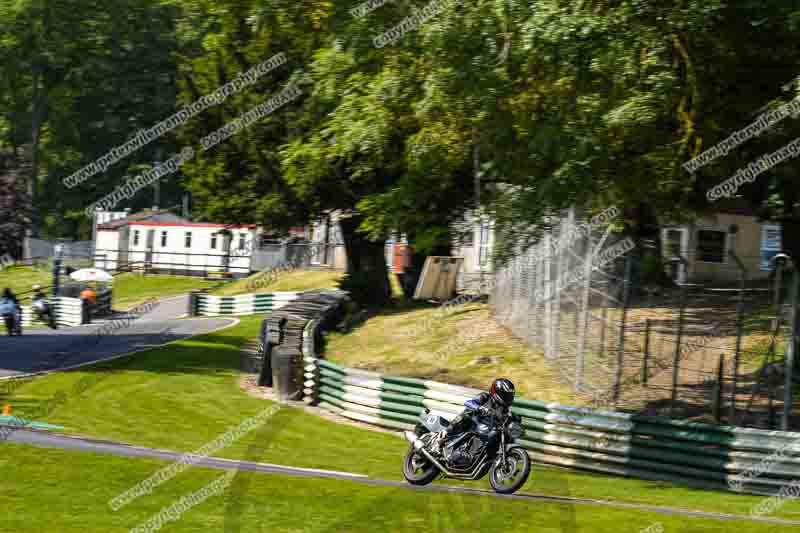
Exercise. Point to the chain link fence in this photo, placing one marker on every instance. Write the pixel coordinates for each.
(620, 337)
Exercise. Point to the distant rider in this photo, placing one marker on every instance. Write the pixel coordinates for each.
(42, 307)
(11, 311)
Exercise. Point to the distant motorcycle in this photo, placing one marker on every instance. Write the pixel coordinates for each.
(44, 312)
(487, 448)
(12, 316)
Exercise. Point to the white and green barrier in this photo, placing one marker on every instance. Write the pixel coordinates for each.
(700, 455)
(243, 304)
(68, 312)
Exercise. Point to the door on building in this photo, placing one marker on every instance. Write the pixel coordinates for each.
(149, 243)
(676, 243)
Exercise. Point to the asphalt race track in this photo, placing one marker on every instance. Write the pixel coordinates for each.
(47, 349)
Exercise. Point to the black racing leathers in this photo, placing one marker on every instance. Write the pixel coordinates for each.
(482, 402)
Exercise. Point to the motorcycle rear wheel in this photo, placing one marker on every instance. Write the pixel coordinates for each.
(517, 460)
(417, 469)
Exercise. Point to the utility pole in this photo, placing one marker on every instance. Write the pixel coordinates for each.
(57, 268)
(791, 352)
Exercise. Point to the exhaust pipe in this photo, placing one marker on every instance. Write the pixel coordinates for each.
(419, 445)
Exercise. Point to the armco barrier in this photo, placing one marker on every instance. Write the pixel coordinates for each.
(700, 455)
(244, 304)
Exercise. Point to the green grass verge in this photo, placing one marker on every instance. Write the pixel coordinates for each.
(22, 278)
(296, 281)
(461, 345)
(183, 396)
(129, 289)
(132, 289)
(69, 491)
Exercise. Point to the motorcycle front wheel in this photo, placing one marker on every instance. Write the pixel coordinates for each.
(417, 469)
(509, 477)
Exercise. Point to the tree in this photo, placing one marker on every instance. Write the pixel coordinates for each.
(16, 210)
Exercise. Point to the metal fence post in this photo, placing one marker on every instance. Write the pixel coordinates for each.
(791, 351)
(621, 343)
(584, 331)
(677, 357)
(547, 282)
(739, 328)
(646, 351)
(716, 402)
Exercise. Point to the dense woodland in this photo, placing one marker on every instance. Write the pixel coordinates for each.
(563, 102)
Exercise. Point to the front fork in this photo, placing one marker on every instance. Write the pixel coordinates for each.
(503, 448)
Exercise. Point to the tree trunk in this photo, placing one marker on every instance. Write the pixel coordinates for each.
(367, 272)
(790, 238)
(38, 115)
(790, 222)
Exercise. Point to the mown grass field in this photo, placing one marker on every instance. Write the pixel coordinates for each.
(53, 490)
(132, 289)
(129, 289)
(183, 396)
(296, 281)
(22, 278)
(460, 345)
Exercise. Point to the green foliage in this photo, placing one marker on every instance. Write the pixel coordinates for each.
(362, 288)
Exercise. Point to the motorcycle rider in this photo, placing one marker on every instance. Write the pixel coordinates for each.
(13, 312)
(496, 402)
(42, 307)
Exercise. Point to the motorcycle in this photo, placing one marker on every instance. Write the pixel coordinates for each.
(42, 310)
(488, 447)
(12, 316)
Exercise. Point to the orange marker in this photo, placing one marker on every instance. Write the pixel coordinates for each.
(6, 410)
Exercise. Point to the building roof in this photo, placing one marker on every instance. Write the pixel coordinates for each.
(162, 215)
(193, 225)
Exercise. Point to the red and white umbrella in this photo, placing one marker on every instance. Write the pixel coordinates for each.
(92, 274)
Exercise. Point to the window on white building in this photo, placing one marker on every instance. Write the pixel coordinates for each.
(163, 239)
(711, 246)
(136, 237)
(188, 240)
(483, 244)
(242, 240)
(214, 241)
